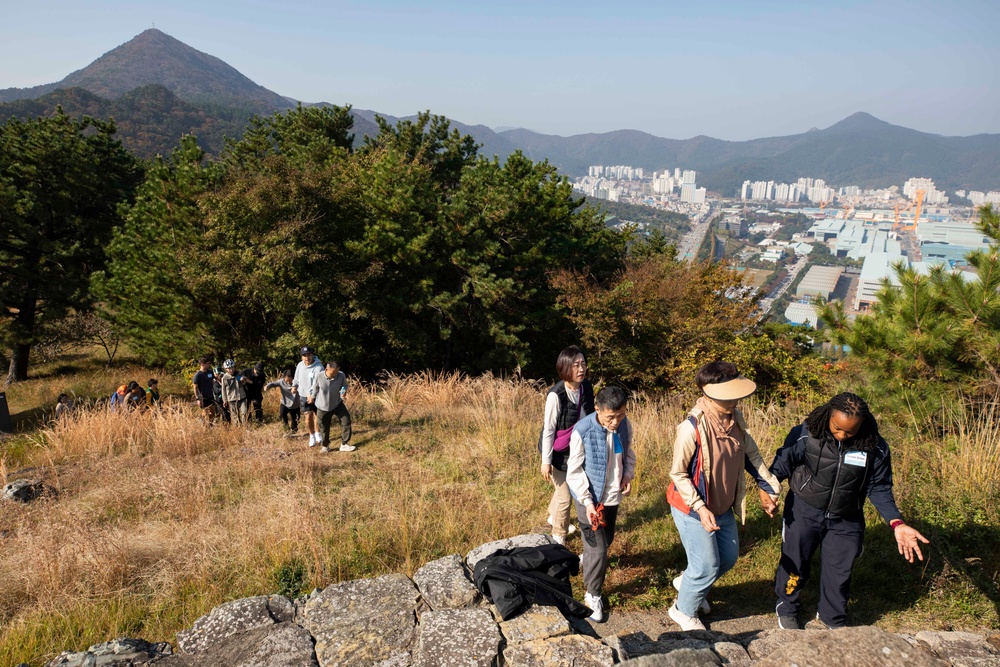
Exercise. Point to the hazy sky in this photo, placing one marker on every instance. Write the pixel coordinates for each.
(729, 69)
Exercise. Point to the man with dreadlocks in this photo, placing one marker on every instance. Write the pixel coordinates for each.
(833, 462)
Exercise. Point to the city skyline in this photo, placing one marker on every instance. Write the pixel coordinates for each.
(733, 71)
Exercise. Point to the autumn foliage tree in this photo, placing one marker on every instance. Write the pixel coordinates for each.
(661, 319)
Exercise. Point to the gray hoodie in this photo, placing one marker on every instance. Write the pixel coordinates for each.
(305, 377)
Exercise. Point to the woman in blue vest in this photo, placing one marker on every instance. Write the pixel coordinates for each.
(833, 461)
(568, 401)
(707, 492)
(599, 474)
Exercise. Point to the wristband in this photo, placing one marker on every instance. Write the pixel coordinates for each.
(895, 523)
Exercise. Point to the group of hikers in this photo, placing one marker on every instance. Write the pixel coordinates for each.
(833, 461)
(314, 392)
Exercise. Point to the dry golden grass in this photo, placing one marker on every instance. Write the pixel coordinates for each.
(157, 517)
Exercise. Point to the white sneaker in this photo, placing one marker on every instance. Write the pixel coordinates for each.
(569, 529)
(559, 539)
(704, 607)
(324, 450)
(595, 604)
(313, 441)
(347, 448)
(687, 623)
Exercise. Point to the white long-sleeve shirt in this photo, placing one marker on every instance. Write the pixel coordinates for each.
(551, 420)
(620, 466)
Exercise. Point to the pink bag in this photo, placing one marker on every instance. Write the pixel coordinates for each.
(561, 441)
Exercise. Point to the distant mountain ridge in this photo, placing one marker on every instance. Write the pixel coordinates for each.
(158, 88)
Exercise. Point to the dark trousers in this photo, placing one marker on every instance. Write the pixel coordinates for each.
(290, 414)
(595, 547)
(326, 418)
(257, 409)
(842, 540)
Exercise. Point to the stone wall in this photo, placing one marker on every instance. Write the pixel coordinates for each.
(438, 619)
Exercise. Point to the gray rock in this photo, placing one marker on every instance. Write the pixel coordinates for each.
(459, 638)
(575, 650)
(529, 540)
(363, 621)
(233, 618)
(770, 641)
(538, 622)
(445, 584)
(849, 647)
(635, 645)
(401, 660)
(961, 649)
(23, 490)
(275, 645)
(632, 645)
(732, 654)
(682, 657)
(122, 652)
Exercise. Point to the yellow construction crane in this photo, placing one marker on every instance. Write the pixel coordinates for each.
(917, 203)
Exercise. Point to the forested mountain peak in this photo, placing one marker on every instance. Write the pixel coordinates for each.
(154, 57)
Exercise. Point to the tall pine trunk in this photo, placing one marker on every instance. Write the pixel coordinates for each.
(24, 330)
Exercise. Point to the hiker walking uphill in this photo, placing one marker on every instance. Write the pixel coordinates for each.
(707, 492)
(568, 401)
(599, 474)
(327, 396)
(234, 396)
(833, 461)
(204, 382)
(289, 410)
(253, 384)
(306, 373)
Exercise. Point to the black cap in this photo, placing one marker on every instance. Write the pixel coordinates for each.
(305, 350)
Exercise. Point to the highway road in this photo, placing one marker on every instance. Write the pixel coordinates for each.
(688, 246)
(786, 282)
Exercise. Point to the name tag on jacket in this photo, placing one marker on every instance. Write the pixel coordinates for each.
(856, 458)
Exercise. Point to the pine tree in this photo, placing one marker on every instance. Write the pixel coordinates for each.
(61, 180)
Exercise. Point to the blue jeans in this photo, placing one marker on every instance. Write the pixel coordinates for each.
(709, 556)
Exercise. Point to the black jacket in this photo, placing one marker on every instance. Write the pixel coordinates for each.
(254, 386)
(515, 579)
(836, 477)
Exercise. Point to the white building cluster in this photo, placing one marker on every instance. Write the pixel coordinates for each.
(617, 183)
(979, 198)
(813, 190)
(931, 194)
(618, 172)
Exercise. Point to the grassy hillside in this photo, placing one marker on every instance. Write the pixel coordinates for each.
(156, 518)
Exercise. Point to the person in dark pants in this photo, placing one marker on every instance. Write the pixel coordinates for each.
(833, 461)
(599, 474)
(289, 411)
(204, 382)
(253, 384)
(327, 394)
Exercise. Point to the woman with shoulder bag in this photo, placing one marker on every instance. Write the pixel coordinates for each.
(568, 401)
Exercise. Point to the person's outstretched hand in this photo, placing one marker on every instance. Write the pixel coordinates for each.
(908, 540)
